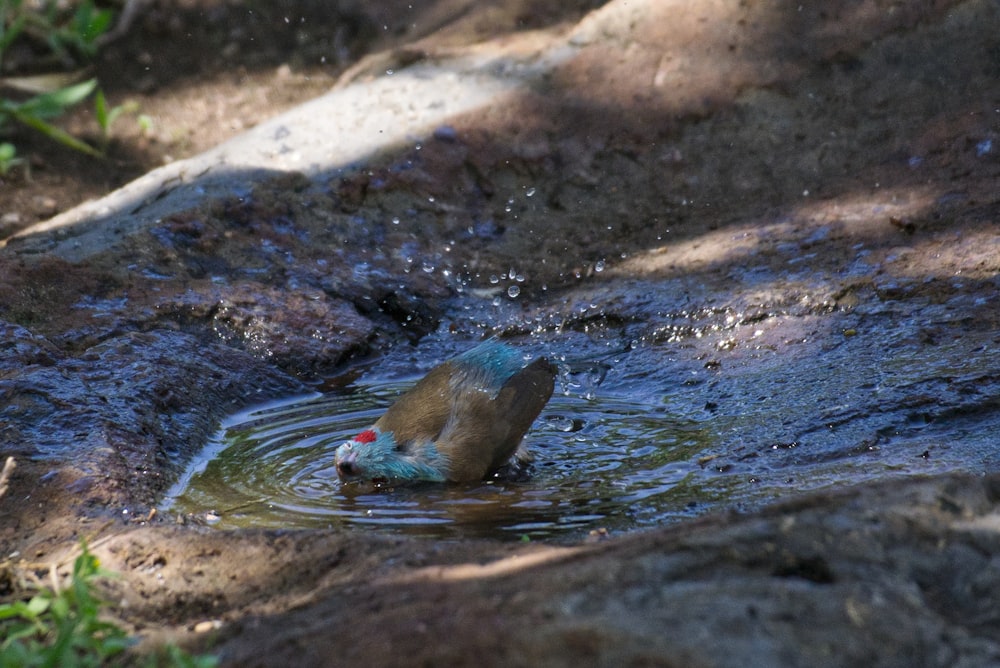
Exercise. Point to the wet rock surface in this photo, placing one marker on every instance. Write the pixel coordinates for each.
(122, 417)
(783, 217)
(888, 575)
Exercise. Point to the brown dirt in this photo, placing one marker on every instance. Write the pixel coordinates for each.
(205, 70)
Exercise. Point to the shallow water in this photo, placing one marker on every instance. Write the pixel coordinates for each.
(598, 463)
(641, 431)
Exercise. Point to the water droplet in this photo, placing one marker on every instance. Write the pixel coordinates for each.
(395, 221)
(599, 266)
(494, 279)
(513, 291)
(530, 192)
(565, 424)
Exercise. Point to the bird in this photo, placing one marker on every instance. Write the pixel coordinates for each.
(462, 421)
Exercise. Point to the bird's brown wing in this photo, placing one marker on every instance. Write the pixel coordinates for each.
(484, 431)
(422, 412)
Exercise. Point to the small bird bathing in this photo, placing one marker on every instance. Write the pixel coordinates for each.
(462, 421)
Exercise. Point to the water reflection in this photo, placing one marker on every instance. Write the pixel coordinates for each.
(602, 462)
(637, 435)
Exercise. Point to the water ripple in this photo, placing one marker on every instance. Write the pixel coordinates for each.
(272, 466)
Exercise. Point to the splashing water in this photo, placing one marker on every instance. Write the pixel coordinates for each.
(608, 463)
(636, 435)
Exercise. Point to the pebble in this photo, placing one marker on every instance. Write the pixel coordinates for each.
(44, 204)
(207, 625)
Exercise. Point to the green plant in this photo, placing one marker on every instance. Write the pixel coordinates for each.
(12, 23)
(174, 657)
(8, 157)
(65, 36)
(61, 627)
(82, 31)
(35, 112)
(47, 22)
(106, 117)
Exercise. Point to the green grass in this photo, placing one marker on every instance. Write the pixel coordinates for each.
(65, 36)
(63, 628)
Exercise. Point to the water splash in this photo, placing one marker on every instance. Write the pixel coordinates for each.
(636, 435)
(272, 466)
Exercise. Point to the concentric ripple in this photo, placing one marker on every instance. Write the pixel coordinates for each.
(608, 462)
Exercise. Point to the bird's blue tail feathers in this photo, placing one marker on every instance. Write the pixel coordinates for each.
(493, 360)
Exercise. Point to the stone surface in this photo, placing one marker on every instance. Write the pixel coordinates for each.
(887, 575)
(785, 215)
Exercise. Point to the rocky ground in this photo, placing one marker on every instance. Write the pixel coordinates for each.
(792, 207)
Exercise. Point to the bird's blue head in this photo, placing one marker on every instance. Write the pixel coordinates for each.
(374, 455)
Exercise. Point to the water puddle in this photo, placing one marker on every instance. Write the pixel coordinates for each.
(609, 462)
(639, 433)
